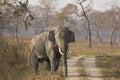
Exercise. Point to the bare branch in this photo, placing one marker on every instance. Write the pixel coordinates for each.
(80, 2)
(77, 14)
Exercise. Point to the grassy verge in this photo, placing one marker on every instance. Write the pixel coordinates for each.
(109, 66)
(80, 48)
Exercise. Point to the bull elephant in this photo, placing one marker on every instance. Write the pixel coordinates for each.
(49, 46)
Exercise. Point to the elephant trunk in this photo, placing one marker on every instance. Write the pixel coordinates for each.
(63, 51)
(65, 65)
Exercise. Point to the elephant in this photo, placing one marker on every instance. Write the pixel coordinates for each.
(49, 46)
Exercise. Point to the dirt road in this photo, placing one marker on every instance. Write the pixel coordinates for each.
(83, 68)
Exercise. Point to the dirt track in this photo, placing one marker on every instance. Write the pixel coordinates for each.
(83, 68)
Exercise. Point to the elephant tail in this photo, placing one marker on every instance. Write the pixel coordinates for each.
(28, 61)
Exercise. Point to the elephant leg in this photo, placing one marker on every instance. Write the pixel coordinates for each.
(52, 62)
(57, 62)
(34, 61)
(48, 67)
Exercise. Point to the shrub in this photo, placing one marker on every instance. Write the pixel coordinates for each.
(12, 59)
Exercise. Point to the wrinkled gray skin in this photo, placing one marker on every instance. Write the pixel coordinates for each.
(48, 46)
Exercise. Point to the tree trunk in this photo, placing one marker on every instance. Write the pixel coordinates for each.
(16, 33)
(89, 44)
(118, 34)
(16, 36)
(111, 40)
(98, 35)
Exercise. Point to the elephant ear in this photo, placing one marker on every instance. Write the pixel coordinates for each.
(71, 37)
(51, 36)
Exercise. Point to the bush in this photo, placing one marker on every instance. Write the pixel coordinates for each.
(12, 59)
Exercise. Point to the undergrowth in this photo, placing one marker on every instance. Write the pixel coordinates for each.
(12, 59)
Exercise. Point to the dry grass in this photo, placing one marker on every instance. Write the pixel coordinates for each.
(80, 48)
(14, 57)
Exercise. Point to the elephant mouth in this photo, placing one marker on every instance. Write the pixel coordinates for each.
(60, 51)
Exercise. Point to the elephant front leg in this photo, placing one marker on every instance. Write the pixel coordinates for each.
(57, 61)
(35, 64)
(52, 62)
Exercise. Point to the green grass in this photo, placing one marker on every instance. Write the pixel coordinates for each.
(109, 66)
(89, 53)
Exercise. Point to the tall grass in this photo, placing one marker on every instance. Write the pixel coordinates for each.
(12, 59)
(80, 48)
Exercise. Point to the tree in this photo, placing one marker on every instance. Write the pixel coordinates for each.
(64, 17)
(15, 13)
(39, 22)
(20, 9)
(48, 7)
(111, 22)
(80, 3)
(117, 22)
(96, 22)
(4, 17)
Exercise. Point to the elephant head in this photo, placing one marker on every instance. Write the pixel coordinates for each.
(62, 36)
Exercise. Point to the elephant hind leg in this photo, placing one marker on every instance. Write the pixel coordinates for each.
(34, 61)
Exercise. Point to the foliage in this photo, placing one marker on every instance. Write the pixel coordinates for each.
(64, 17)
(48, 10)
(14, 13)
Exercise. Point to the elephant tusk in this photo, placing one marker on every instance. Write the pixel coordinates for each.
(61, 52)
